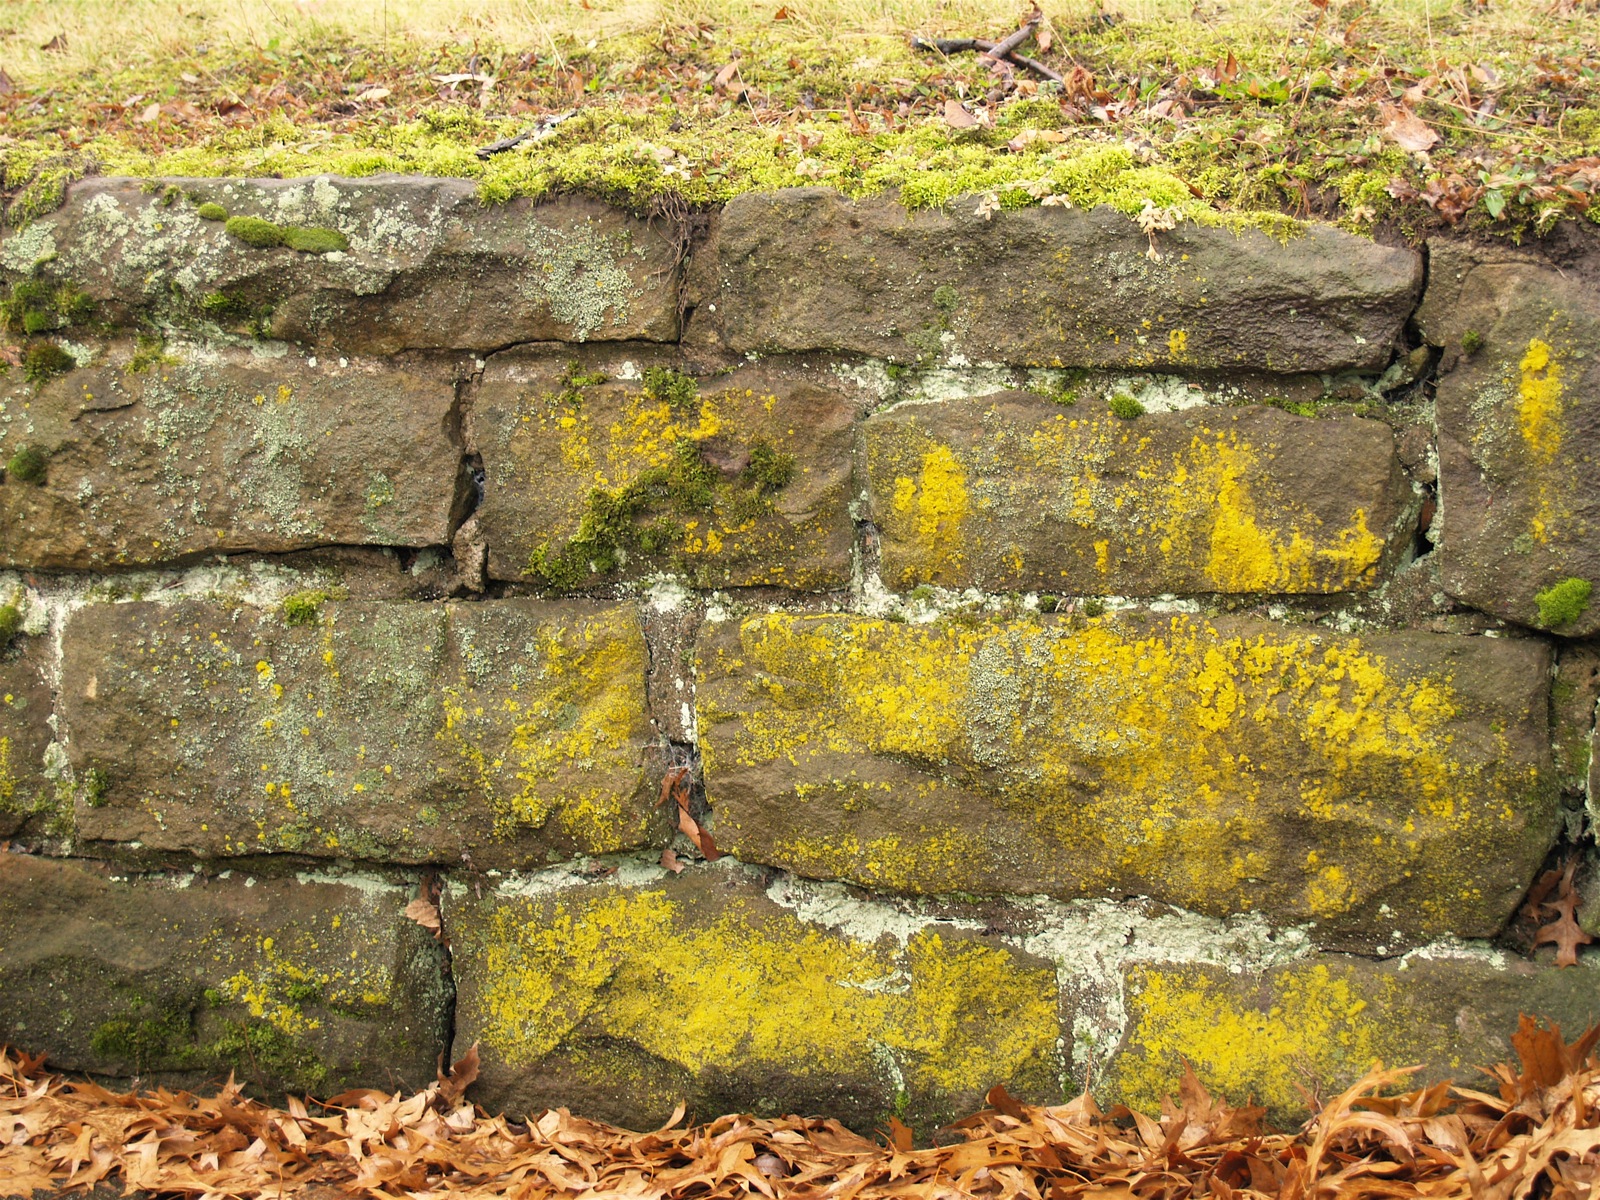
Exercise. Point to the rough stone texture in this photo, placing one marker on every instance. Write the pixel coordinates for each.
(221, 451)
(1014, 492)
(1317, 1025)
(1519, 430)
(620, 995)
(553, 441)
(180, 979)
(1574, 695)
(499, 733)
(807, 269)
(429, 266)
(28, 801)
(1371, 783)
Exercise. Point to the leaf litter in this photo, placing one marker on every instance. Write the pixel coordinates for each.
(1538, 1137)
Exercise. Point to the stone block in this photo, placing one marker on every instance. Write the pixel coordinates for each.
(621, 994)
(29, 800)
(310, 985)
(592, 472)
(808, 269)
(1014, 492)
(1314, 1027)
(428, 266)
(508, 732)
(221, 451)
(1367, 782)
(1518, 414)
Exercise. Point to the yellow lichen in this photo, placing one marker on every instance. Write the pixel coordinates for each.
(932, 506)
(742, 990)
(1539, 408)
(1178, 756)
(1317, 1031)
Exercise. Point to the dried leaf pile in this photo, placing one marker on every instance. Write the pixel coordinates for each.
(1539, 1137)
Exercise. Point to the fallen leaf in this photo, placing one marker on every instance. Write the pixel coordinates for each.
(149, 115)
(900, 1136)
(1407, 130)
(425, 913)
(462, 1074)
(1028, 137)
(1564, 932)
(956, 116)
(57, 43)
(781, 15)
(372, 95)
(671, 861)
(725, 76)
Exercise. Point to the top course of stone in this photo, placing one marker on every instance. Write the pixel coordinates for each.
(1391, 117)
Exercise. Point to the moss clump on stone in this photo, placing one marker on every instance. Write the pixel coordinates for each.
(673, 388)
(1564, 602)
(303, 608)
(10, 624)
(27, 465)
(43, 361)
(159, 1040)
(264, 235)
(258, 1051)
(151, 351)
(1125, 407)
(769, 467)
(34, 306)
(223, 306)
(96, 787)
(314, 241)
(211, 211)
(1471, 342)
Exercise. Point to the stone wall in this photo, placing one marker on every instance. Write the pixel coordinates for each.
(1089, 650)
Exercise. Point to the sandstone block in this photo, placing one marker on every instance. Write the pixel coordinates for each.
(596, 470)
(1316, 1026)
(28, 798)
(807, 269)
(213, 451)
(1014, 492)
(501, 733)
(621, 995)
(427, 266)
(316, 985)
(1370, 783)
(1519, 428)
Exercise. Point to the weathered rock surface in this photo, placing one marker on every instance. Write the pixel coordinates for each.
(1316, 1026)
(428, 265)
(1519, 431)
(1014, 492)
(307, 986)
(620, 995)
(499, 733)
(215, 451)
(1370, 783)
(1574, 705)
(590, 475)
(28, 802)
(807, 269)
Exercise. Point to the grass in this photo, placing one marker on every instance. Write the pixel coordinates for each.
(1220, 108)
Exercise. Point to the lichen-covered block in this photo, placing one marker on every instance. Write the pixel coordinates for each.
(29, 798)
(425, 264)
(1014, 492)
(500, 733)
(620, 994)
(1314, 1027)
(604, 467)
(206, 450)
(1372, 783)
(309, 985)
(807, 269)
(1519, 429)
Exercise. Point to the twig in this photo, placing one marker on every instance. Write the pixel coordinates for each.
(962, 45)
(997, 54)
(541, 129)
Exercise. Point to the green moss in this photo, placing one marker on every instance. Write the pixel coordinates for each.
(256, 1050)
(314, 241)
(211, 211)
(1564, 602)
(671, 387)
(1125, 406)
(224, 306)
(150, 351)
(302, 608)
(769, 468)
(27, 465)
(34, 306)
(1299, 408)
(1471, 342)
(96, 787)
(160, 1040)
(1094, 608)
(43, 361)
(946, 299)
(10, 624)
(573, 380)
(254, 231)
